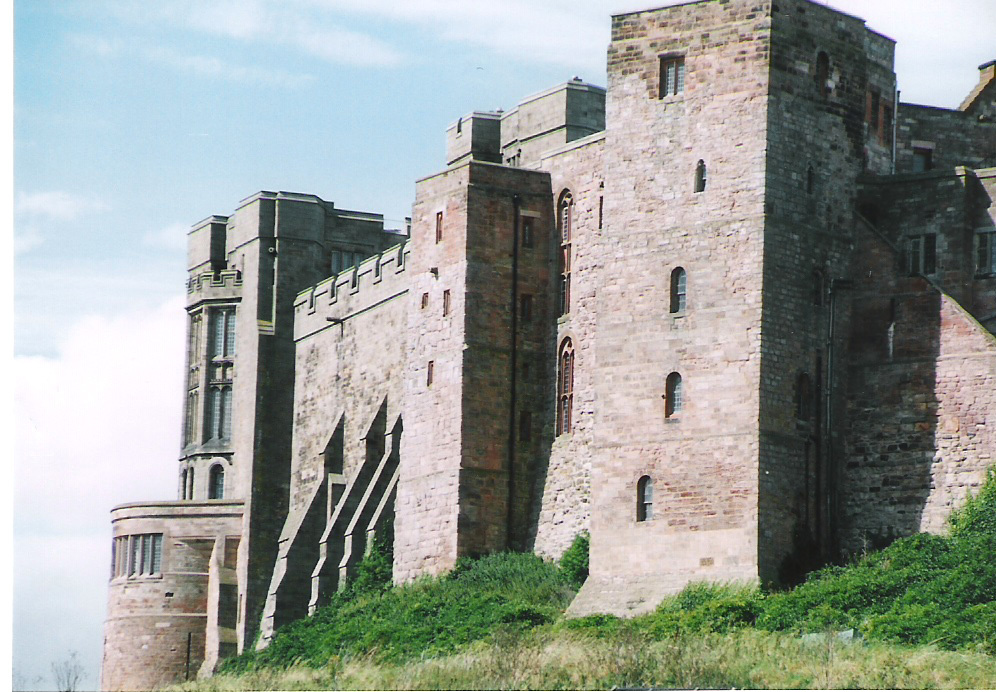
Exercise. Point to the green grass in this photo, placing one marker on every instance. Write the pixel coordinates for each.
(924, 610)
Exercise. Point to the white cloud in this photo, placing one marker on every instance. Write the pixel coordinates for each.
(215, 68)
(95, 426)
(26, 240)
(57, 205)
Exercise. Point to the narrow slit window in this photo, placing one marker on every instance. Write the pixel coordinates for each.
(527, 231)
(803, 398)
(679, 281)
(429, 373)
(985, 254)
(439, 226)
(526, 308)
(700, 176)
(822, 74)
(645, 499)
(446, 302)
(565, 387)
(216, 483)
(566, 220)
(673, 396)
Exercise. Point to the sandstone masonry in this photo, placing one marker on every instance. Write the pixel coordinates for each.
(734, 315)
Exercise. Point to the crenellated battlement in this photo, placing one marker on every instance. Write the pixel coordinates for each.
(357, 289)
(214, 286)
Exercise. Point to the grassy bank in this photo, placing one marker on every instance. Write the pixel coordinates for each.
(920, 614)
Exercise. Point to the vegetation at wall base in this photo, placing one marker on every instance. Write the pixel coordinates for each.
(920, 613)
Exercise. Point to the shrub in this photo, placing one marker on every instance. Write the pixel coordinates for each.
(978, 514)
(574, 561)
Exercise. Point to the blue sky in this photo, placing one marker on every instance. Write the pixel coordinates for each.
(135, 119)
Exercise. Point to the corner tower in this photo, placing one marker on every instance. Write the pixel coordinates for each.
(722, 239)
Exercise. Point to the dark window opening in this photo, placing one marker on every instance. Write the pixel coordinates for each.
(216, 483)
(526, 307)
(425, 300)
(986, 253)
(673, 395)
(439, 226)
(810, 180)
(822, 74)
(922, 254)
(819, 288)
(923, 159)
(527, 231)
(429, 372)
(803, 398)
(446, 302)
(525, 426)
(700, 176)
(678, 289)
(645, 499)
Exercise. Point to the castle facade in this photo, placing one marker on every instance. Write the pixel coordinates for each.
(734, 315)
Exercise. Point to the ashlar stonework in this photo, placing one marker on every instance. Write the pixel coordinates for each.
(733, 314)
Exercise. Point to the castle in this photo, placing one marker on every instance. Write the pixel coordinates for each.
(734, 315)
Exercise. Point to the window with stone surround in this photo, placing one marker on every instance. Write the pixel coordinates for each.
(527, 231)
(190, 419)
(183, 484)
(222, 332)
(565, 227)
(446, 302)
(425, 300)
(218, 425)
(439, 226)
(923, 159)
(672, 75)
(565, 387)
(216, 482)
(139, 555)
(673, 395)
(922, 254)
(190, 483)
(645, 499)
(679, 280)
(430, 373)
(985, 253)
(700, 176)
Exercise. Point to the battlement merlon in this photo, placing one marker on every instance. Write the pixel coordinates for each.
(332, 301)
(542, 121)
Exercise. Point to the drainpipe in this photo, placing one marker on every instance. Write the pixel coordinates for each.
(509, 521)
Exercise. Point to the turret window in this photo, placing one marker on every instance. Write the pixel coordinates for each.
(137, 555)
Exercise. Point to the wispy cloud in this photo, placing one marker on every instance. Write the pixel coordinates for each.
(215, 68)
(172, 237)
(27, 239)
(312, 30)
(57, 205)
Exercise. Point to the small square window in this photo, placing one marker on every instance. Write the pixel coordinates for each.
(672, 75)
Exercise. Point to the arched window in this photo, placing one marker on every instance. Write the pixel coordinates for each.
(822, 73)
(673, 395)
(216, 482)
(678, 285)
(803, 397)
(565, 387)
(644, 499)
(183, 485)
(700, 176)
(190, 423)
(190, 483)
(565, 222)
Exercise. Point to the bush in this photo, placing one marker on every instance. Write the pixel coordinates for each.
(574, 561)
(978, 514)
